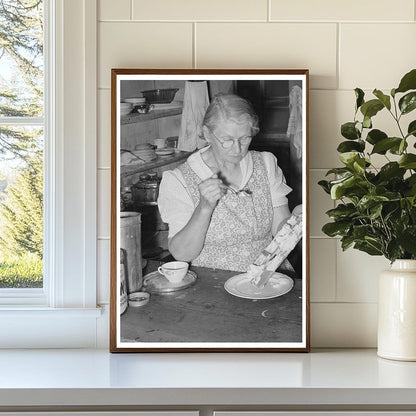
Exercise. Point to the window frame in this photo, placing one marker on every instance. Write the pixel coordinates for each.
(69, 292)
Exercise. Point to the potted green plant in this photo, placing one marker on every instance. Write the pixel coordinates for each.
(376, 206)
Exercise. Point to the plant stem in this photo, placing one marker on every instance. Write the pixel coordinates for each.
(397, 118)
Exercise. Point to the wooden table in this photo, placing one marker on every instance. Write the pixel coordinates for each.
(206, 312)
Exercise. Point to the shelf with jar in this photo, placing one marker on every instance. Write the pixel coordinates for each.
(132, 169)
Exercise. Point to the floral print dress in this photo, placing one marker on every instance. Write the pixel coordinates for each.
(240, 225)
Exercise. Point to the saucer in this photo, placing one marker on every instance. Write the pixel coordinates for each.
(241, 286)
(165, 151)
(157, 283)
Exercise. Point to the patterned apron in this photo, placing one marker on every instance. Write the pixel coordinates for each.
(240, 226)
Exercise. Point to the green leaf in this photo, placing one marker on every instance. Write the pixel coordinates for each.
(359, 95)
(402, 147)
(391, 170)
(349, 131)
(385, 99)
(359, 165)
(367, 122)
(383, 145)
(352, 186)
(350, 146)
(371, 108)
(411, 180)
(399, 148)
(333, 229)
(393, 250)
(407, 240)
(375, 211)
(411, 130)
(361, 231)
(391, 211)
(346, 242)
(411, 184)
(408, 102)
(342, 211)
(325, 186)
(368, 248)
(369, 201)
(338, 188)
(408, 82)
(408, 161)
(375, 136)
(348, 158)
(338, 171)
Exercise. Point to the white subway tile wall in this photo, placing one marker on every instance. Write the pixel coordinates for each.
(104, 202)
(343, 325)
(357, 275)
(323, 269)
(142, 45)
(352, 10)
(114, 10)
(104, 128)
(270, 45)
(345, 44)
(200, 10)
(385, 50)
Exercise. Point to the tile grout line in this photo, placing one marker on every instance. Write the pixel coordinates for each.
(307, 22)
(338, 63)
(269, 10)
(194, 63)
(131, 9)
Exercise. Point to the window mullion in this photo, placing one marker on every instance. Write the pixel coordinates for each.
(22, 121)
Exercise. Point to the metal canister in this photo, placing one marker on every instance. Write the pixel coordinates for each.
(146, 190)
(130, 242)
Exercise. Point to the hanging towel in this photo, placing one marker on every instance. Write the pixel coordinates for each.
(195, 103)
(221, 86)
(295, 119)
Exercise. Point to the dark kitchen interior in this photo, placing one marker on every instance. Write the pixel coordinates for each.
(140, 181)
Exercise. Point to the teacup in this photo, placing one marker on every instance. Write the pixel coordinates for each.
(174, 271)
(160, 143)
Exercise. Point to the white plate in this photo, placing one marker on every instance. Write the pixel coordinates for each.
(240, 286)
(135, 100)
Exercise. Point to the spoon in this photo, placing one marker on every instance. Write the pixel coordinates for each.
(242, 192)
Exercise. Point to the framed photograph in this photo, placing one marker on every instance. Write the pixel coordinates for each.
(209, 210)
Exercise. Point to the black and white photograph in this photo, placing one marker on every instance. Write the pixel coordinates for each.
(209, 210)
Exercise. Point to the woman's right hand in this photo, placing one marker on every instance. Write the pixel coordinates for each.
(211, 190)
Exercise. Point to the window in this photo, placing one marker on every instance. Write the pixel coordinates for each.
(63, 312)
(22, 131)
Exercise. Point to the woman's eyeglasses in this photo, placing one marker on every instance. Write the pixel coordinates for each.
(227, 143)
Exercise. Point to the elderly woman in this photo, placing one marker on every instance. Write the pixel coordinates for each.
(225, 203)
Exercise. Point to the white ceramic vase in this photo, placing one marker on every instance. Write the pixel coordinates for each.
(397, 312)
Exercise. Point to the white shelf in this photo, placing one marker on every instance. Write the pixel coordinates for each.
(322, 378)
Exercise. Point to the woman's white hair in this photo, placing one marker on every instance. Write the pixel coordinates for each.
(231, 107)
